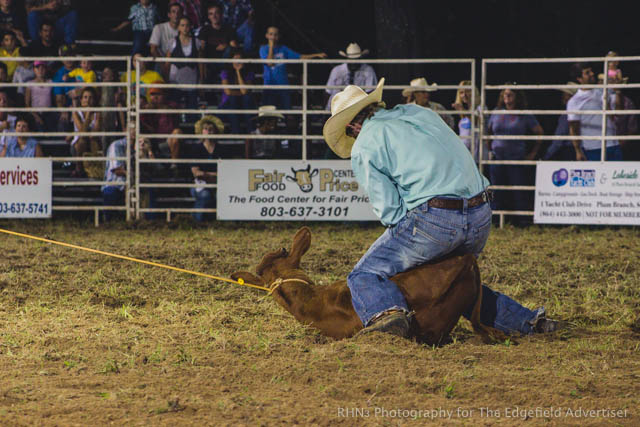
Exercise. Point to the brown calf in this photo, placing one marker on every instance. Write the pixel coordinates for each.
(438, 293)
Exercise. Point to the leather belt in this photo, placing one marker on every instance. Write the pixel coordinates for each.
(457, 204)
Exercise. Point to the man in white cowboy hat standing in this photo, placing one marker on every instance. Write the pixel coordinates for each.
(420, 93)
(426, 189)
(358, 74)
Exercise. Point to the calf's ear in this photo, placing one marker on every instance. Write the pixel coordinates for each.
(248, 278)
(301, 242)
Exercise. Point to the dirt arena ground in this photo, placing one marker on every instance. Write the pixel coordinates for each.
(87, 339)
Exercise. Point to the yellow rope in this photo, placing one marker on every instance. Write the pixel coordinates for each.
(155, 264)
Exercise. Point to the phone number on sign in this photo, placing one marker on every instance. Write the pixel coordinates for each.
(304, 211)
(21, 208)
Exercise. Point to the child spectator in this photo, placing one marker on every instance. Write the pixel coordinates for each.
(164, 34)
(10, 20)
(40, 97)
(60, 12)
(85, 121)
(21, 146)
(22, 74)
(185, 46)
(10, 49)
(205, 173)
(146, 76)
(62, 94)
(238, 14)
(143, 16)
(216, 38)
(84, 73)
(237, 99)
(276, 74)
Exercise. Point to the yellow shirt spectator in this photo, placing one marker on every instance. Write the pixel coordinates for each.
(84, 76)
(149, 76)
(11, 65)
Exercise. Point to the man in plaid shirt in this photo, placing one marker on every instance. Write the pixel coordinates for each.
(142, 17)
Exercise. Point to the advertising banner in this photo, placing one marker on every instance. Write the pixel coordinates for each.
(285, 190)
(587, 193)
(25, 188)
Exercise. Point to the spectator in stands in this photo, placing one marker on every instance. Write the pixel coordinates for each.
(115, 172)
(45, 45)
(40, 97)
(237, 99)
(85, 121)
(192, 9)
(185, 45)
(61, 12)
(21, 146)
(163, 35)
(7, 120)
(625, 124)
(276, 74)
(562, 149)
(420, 94)
(238, 14)
(613, 68)
(143, 16)
(147, 76)
(507, 149)
(205, 173)
(11, 20)
(22, 74)
(112, 121)
(217, 38)
(591, 124)
(351, 73)
(162, 123)
(62, 93)
(463, 102)
(268, 118)
(4, 78)
(10, 49)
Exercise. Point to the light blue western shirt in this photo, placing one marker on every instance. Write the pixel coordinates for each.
(407, 155)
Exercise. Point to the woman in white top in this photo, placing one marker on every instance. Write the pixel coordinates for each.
(185, 46)
(85, 121)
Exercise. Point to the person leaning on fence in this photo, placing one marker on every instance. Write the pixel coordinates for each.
(267, 122)
(236, 73)
(419, 93)
(115, 172)
(205, 173)
(21, 146)
(426, 189)
(276, 74)
(591, 124)
(513, 149)
(86, 121)
(143, 16)
(466, 100)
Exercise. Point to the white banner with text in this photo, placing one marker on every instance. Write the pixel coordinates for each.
(587, 193)
(25, 188)
(285, 190)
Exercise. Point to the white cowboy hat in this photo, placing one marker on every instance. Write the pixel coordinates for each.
(345, 105)
(353, 51)
(268, 111)
(419, 85)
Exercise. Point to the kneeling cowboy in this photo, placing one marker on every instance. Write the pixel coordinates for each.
(424, 186)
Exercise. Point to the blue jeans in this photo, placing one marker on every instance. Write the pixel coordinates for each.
(510, 175)
(66, 27)
(204, 200)
(112, 196)
(423, 235)
(239, 103)
(281, 98)
(614, 154)
(140, 40)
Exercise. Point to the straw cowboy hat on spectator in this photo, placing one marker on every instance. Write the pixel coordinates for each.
(419, 85)
(345, 106)
(268, 111)
(353, 51)
(216, 122)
